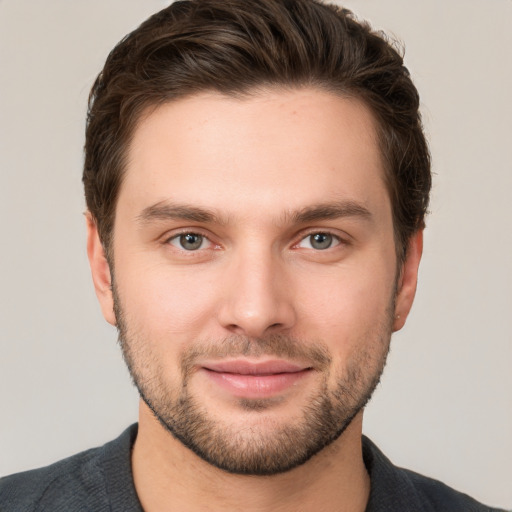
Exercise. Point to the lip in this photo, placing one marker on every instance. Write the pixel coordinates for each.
(245, 367)
(255, 379)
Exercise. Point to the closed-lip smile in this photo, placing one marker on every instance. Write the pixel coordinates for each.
(254, 378)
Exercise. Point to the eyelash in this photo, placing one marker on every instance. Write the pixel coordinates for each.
(335, 238)
(177, 236)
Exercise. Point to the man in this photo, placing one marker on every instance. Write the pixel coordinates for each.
(256, 179)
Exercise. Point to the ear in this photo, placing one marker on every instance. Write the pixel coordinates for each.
(406, 289)
(100, 270)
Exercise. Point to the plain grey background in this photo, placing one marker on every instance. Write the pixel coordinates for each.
(444, 407)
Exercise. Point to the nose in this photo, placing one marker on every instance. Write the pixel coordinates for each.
(258, 296)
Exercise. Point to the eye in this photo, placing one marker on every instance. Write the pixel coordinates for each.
(319, 241)
(189, 241)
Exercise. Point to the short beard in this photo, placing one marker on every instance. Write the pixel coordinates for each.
(264, 447)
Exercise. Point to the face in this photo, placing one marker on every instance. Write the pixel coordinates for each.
(255, 286)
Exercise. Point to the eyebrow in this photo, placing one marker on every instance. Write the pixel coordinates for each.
(326, 211)
(165, 210)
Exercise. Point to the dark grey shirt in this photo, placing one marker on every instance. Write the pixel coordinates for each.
(101, 479)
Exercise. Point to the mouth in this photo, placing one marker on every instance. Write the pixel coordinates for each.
(255, 379)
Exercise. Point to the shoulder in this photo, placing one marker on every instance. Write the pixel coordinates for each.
(441, 497)
(78, 483)
(62, 483)
(394, 488)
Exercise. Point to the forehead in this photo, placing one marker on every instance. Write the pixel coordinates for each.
(268, 152)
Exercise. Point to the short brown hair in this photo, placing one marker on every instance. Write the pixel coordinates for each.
(235, 47)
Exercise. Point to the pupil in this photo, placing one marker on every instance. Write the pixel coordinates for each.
(321, 240)
(190, 241)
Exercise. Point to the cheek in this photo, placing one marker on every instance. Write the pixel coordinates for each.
(162, 301)
(346, 306)
(344, 297)
(355, 325)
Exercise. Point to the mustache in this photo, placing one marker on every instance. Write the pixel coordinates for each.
(315, 354)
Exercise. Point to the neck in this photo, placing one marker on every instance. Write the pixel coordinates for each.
(168, 476)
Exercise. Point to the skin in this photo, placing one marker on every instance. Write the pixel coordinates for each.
(257, 163)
